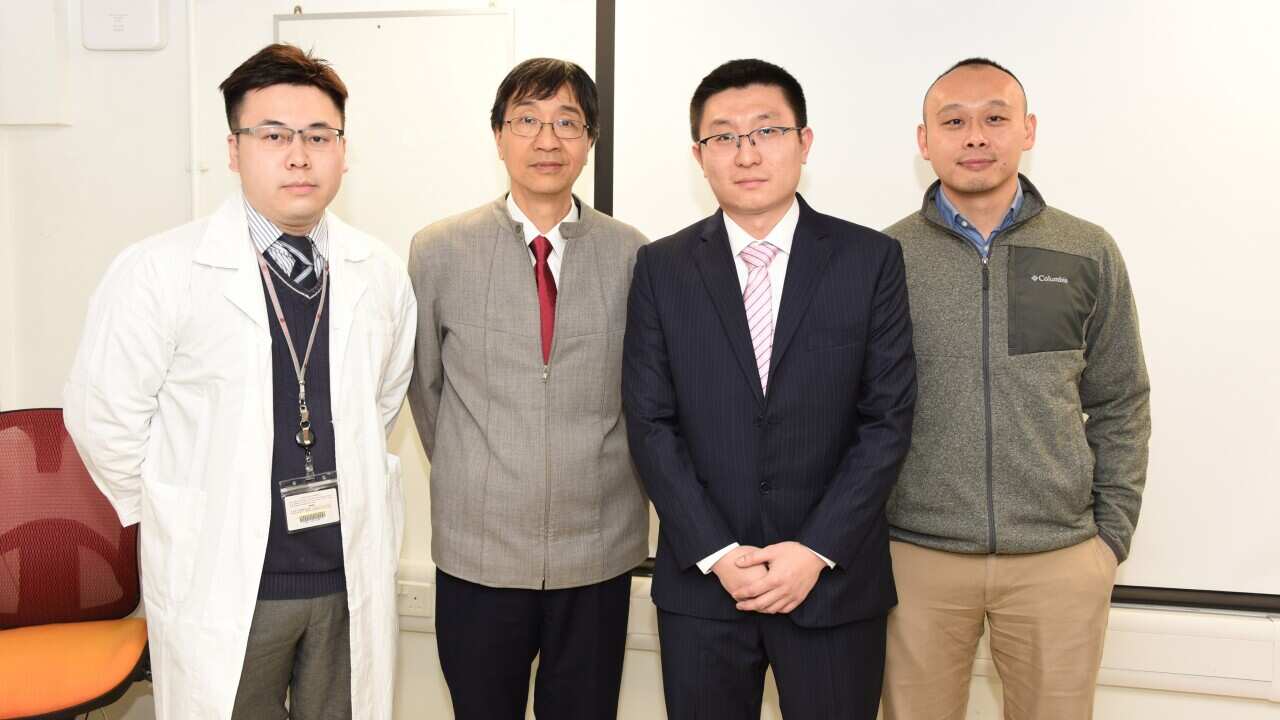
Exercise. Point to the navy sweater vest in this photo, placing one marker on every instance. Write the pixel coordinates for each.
(309, 563)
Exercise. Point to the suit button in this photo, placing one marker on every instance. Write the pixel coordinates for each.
(758, 421)
(764, 488)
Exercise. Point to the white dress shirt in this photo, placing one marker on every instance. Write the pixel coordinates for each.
(780, 237)
(553, 235)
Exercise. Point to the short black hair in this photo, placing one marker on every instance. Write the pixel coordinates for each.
(541, 78)
(281, 64)
(980, 62)
(740, 74)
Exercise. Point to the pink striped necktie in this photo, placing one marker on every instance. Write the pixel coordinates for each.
(758, 300)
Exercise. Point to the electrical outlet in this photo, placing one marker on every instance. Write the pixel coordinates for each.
(416, 599)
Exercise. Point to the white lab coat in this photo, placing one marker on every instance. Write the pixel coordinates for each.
(170, 405)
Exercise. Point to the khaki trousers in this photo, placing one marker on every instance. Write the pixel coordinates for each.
(1048, 617)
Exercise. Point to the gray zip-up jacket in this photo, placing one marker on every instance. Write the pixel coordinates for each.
(1032, 416)
(532, 484)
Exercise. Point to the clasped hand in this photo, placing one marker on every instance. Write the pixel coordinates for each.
(772, 579)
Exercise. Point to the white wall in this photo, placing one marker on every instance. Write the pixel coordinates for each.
(8, 298)
(119, 172)
(77, 194)
(35, 72)
(1150, 124)
(72, 197)
(558, 28)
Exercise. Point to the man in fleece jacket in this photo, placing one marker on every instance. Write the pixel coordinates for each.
(1022, 487)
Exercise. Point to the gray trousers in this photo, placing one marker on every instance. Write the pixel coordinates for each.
(301, 648)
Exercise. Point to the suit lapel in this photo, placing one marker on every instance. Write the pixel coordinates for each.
(810, 250)
(715, 262)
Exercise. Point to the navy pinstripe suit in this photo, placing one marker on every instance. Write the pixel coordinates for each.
(814, 461)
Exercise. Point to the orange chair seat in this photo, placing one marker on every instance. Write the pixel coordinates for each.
(52, 667)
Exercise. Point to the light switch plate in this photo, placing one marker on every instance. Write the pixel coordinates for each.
(124, 24)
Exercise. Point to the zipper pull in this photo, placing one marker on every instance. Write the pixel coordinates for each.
(546, 372)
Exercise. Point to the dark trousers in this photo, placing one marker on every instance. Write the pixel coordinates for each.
(714, 669)
(488, 637)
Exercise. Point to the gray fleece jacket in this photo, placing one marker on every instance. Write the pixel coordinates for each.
(1033, 414)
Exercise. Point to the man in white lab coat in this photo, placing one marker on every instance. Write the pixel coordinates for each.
(233, 392)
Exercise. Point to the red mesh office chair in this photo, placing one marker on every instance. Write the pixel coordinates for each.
(68, 579)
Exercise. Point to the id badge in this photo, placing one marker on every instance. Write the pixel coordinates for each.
(310, 501)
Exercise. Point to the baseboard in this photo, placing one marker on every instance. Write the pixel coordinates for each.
(1208, 652)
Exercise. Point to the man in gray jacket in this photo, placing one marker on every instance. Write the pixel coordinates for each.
(1022, 487)
(537, 516)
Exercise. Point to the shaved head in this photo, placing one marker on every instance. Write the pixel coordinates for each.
(975, 63)
(976, 127)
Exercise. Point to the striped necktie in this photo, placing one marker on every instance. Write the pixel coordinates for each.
(758, 300)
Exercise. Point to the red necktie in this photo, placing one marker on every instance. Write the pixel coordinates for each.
(541, 248)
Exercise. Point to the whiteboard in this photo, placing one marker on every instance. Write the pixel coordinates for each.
(1153, 124)
(421, 85)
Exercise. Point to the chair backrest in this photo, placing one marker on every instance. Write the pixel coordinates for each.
(63, 555)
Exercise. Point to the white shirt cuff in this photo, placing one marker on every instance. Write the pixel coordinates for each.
(706, 563)
(830, 565)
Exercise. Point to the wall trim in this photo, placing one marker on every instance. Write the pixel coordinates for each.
(606, 12)
(1213, 599)
(1204, 652)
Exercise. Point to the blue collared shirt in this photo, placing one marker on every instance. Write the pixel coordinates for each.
(961, 225)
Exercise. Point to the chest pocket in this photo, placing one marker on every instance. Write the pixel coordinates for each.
(1051, 296)
(830, 339)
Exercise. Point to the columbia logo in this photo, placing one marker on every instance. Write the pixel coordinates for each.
(1049, 278)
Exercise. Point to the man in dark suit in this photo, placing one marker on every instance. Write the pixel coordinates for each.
(769, 384)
